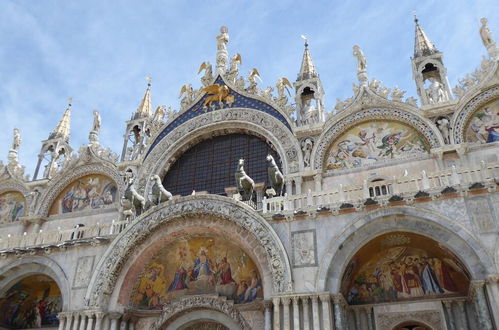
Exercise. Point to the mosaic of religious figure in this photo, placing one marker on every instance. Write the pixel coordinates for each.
(372, 141)
(483, 126)
(33, 302)
(197, 265)
(12, 206)
(403, 266)
(89, 192)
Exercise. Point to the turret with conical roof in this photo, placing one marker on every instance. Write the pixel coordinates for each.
(137, 128)
(429, 70)
(144, 109)
(309, 92)
(62, 129)
(56, 148)
(307, 69)
(422, 44)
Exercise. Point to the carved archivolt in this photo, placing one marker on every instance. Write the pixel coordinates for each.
(251, 120)
(55, 188)
(422, 125)
(103, 282)
(431, 318)
(462, 117)
(196, 302)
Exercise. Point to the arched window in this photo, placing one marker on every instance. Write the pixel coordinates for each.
(211, 164)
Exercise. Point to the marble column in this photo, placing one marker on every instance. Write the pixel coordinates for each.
(481, 308)
(369, 316)
(296, 313)
(69, 320)
(285, 304)
(357, 318)
(318, 188)
(114, 317)
(338, 314)
(62, 320)
(326, 311)
(83, 318)
(98, 320)
(492, 285)
(76, 321)
(298, 182)
(277, 316)
(306, 320)
(268, 316)
(462, 323)
(289, 187)
(90, 320)
(450, 317)
(315, 312)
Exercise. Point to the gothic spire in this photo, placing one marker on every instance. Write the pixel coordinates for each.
(63, 127)
(144, 109)
(307, 69)
(422, 44)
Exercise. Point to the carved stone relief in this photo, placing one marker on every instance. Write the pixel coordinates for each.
(480, 209)
(197, 302)
(304, 247)
(84, 267)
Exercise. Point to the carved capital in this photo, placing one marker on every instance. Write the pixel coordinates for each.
(325, 297)
(114, 315)
(304, 300)
(286, 301)
(492, 278)
(33, 219)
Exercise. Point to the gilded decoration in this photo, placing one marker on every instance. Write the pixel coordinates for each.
(89, 192)
(197, 265)
(371, 141)
(12, 206)
(33, 302)
(403, 266)
(483, 126)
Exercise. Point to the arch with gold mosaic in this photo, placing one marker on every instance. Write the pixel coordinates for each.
(401, 266)
(83, 188)
(373, 135)
(478, 119)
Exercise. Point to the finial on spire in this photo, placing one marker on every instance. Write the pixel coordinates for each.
(304, 37)
(148, 79)
(415, 17)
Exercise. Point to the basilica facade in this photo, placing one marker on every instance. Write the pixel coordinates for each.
(257, 208)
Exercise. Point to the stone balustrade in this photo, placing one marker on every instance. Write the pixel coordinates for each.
(59, 238)
(405, 187)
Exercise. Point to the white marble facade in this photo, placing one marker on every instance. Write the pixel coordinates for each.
(378, 166)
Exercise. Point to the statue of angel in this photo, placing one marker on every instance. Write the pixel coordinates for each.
(252, 80)
(282, 84)
(234, 69)
(97, 122)
(208, 73)
(361, 59)
(159, 114)
(188, 98)
(16, 141)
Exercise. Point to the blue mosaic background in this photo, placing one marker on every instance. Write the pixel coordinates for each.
(241, 101)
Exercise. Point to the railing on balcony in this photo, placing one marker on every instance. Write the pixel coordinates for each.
(405, 186)
(61, 237)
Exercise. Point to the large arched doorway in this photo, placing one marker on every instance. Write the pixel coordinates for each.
(411, 325)
(32, 302)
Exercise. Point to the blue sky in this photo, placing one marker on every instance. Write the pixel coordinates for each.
(99, 52)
